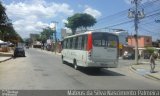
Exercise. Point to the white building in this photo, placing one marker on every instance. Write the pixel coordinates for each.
(122, 37)
(65, 32)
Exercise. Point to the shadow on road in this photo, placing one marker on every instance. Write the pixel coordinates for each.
(100, 72)
(14, 57)
(96, 72)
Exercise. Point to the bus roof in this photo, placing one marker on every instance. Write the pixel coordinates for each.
(88, 32)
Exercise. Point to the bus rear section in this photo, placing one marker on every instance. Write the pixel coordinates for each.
(102, 50)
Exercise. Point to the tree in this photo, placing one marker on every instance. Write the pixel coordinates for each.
(80, 20)
(150, 50)
(47, 33)
(3, 21)
(7, 31)
(3, 17)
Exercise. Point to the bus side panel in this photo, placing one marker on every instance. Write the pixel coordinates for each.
(81, 58)
(79, 55)
(65, 53)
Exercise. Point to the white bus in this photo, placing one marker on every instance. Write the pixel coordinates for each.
(91, 49)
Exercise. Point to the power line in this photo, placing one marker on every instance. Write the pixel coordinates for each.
(122, 15)
(126, 21)
(149, 32)
(147, 4)
(115, 25)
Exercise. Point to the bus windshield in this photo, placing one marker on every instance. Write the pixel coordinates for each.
(104, 40)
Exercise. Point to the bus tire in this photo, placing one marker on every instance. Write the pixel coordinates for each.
(75, 65)
(63, 62)
(97, 69)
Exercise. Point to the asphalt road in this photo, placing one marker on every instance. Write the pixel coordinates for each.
(42, 70)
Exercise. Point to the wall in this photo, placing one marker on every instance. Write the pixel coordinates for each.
(143, 41)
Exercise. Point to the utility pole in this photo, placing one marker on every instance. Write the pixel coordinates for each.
(137, 14)
(55, 35)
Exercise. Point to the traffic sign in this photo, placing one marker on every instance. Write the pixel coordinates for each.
(120, 46)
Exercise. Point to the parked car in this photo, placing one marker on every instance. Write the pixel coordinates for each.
(27, 47)
(19, 52)
(48, 47)
(146, 56)
(129, 56)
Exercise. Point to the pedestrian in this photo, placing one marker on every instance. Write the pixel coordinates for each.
(152, 62)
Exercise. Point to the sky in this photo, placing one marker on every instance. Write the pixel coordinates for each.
(31, 16)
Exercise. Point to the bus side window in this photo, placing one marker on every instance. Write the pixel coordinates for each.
(80, 42)
(76, 42)
(73, 43)
(71, 40)
(103, 43)
(84, 42)
(67, 43)
(63, 43)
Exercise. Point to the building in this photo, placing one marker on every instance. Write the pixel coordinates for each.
(122, 35)
(33, 38)
(3, 46)
(143, 41)
(65, 32)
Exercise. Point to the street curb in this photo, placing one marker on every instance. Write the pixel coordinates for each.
(146, 75)
(6, 60)
(57, 54)
(133, 68)
(153, 77)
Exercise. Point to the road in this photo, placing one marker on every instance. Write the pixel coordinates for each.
(44, 71)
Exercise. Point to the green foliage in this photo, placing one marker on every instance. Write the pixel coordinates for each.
(3, 21)
(80, 20)
(27, 40)
(46, 34)
(150, 50)
(7, 32)
(3, 17)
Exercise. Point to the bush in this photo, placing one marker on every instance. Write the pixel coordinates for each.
(150, 50)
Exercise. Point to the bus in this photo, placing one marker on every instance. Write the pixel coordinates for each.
(91, 49)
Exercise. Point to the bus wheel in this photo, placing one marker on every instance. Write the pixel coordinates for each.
(97, 69)
(75, 65)
(63, 62)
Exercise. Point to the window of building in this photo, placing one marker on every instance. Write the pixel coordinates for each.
(147, 40)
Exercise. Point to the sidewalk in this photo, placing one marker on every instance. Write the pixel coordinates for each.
(4, 56)
(3, 59)
(144, 69)
(50, 52)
